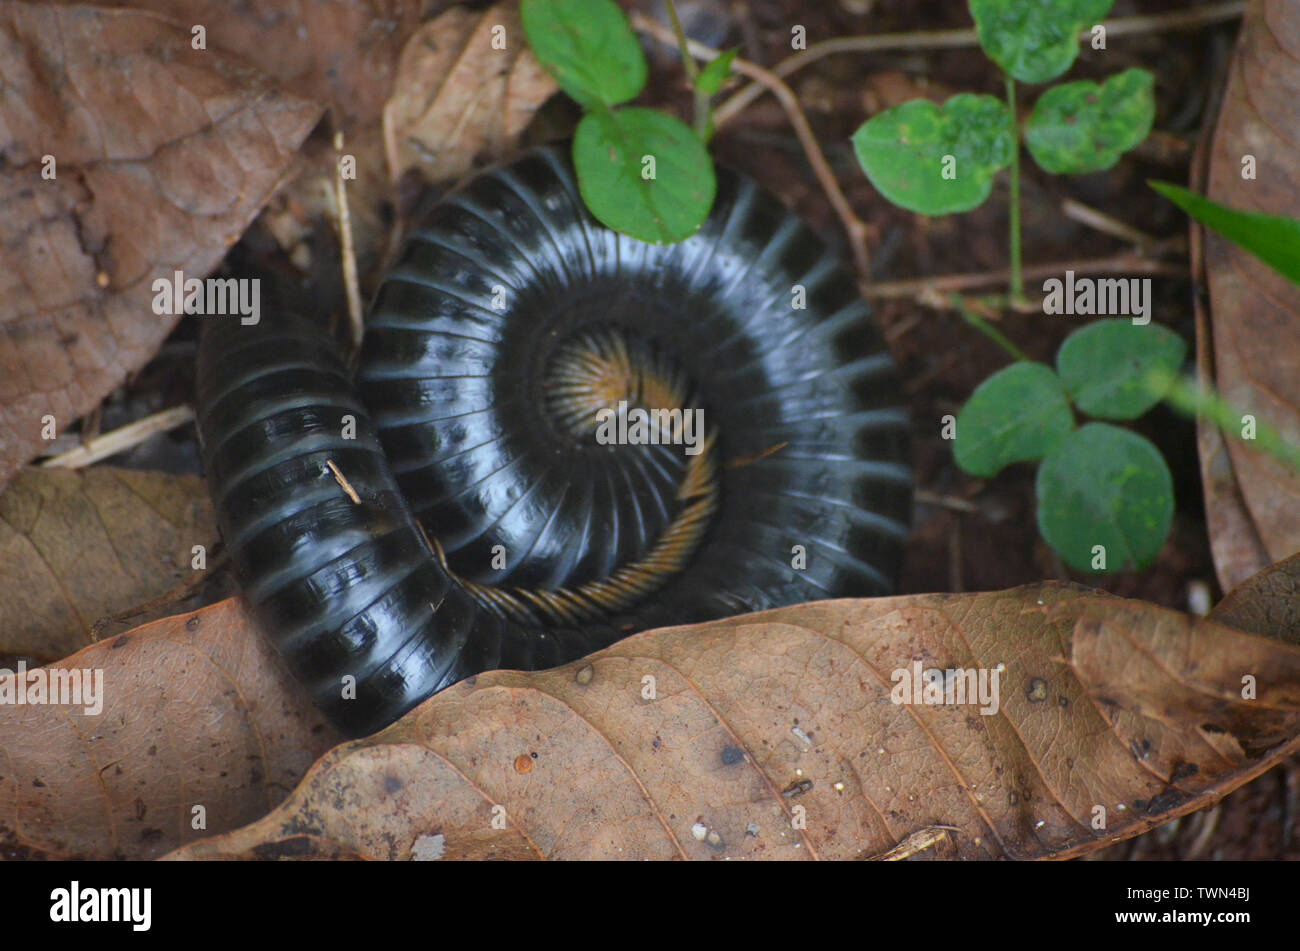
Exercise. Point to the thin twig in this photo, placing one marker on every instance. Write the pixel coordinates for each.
(1127, 263)
(1100, 221)
(122, 439)
(344, 484)
(351, 285)
(926, 497)
(941, 39)
(855, 227)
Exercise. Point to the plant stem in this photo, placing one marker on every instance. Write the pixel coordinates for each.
(1017, 277)
(703, 108)
(688, 63)
(986, 328)
(1197, 401)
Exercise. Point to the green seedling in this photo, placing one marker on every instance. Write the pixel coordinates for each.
(641, 171)
(1105, 495)
(940, 160)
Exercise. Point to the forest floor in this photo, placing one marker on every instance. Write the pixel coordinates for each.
(969, 534)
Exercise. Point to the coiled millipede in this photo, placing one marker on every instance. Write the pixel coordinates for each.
(453, 511)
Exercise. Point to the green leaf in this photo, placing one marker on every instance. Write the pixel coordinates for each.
(1105, 366)
(907, 151)
(1034, 40)
(1105, 486)
(1019, 414)
(711, 77)
(1084, 127)
(614, 154)
(588, 46)
(1272, 239)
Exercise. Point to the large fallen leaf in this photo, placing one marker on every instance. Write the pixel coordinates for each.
(1252, 341)
(197, 712)
(76, 546)
(466, 87)
(343, 52)
(774, 736)
(1267, 603)
(163, 155)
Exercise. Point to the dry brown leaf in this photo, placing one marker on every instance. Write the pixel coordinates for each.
(343, 52)
(458, 99)
(163, 155)
(761, 724)
(1253, 502)
(1267, 603)
(196, 712)
(76, 546)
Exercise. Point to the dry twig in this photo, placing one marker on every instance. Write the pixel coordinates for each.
(121, 439)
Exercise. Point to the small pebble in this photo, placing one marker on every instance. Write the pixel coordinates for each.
(428, 848)
(1198, 598)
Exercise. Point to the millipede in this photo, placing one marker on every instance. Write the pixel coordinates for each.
(445, 506)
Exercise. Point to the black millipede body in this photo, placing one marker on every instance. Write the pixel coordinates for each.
(557, 436)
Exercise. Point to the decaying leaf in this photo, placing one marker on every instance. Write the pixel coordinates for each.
(776, 735)
(129, 155)
(340, 52)
(343, 52)
(199, 732)
(76, 546)
(1267, 603)
(1253, 341)
(466, 87)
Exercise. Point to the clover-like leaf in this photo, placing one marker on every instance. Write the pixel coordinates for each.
(1019, 414)
(644, 173)
(1106, 366)
(588, 46)
(1034, 40)
(1083, 127)
(937, 160)
(1105, 499)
